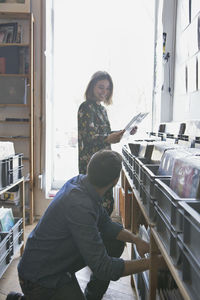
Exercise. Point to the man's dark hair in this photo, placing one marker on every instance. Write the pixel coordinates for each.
(104, 167)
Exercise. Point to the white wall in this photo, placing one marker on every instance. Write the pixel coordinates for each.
(168, 20)
(187, 96)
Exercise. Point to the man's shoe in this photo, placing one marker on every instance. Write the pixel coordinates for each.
(15, 296)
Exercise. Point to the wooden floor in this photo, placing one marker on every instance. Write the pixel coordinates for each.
(118, 290)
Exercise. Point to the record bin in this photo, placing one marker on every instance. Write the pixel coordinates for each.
(15, 174)
(10, 243)
(168, 202)
(167, 235)
(4, 175)
(4, 262)
(148, 175)
(127, 160)
(189, 271)
(190, 237)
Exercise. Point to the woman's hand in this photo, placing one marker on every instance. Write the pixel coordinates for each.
(115, 137)
(133, 130)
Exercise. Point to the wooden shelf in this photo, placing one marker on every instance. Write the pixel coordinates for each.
(14, 105)
(13, 75)
(14, 44)
(15, 122)
(15, 15)
(13, 138)
(21, 133)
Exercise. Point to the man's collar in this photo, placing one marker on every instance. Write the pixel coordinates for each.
(91, 189)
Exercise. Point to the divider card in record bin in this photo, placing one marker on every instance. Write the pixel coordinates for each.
(173, 129)
(144, 156)
(185, 181)
(142, 149)
(134, 147)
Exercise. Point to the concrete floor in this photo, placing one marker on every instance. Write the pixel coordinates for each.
(117, 290)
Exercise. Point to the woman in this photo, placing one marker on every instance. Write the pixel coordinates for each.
(94, 132)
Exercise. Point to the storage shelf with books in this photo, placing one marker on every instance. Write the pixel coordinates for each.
(16, 85)
(136, 217)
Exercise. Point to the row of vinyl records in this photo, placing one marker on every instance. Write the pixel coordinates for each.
(182, 164)
(167, 288)
(10, 32)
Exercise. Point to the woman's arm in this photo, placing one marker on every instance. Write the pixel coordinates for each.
(114, 137)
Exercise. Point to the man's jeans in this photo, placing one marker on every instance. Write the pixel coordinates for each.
(69, 288)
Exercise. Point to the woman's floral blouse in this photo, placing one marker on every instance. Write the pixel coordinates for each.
(93, 128)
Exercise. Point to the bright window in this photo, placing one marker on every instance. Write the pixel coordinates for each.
(90, 35)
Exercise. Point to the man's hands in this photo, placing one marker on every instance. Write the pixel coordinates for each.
(142, 246)
(126, 236)
(115, 137)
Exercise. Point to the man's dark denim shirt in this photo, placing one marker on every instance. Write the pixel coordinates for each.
(72, 226)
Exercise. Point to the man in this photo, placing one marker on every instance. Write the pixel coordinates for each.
(74, 232)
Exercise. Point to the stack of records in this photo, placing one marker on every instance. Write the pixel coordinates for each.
(185, 181)
(170, 156)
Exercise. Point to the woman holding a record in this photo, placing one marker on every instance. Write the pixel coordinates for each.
(94, 131)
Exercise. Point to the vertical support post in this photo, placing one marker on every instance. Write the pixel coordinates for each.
(22, 191)
(153, 270)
